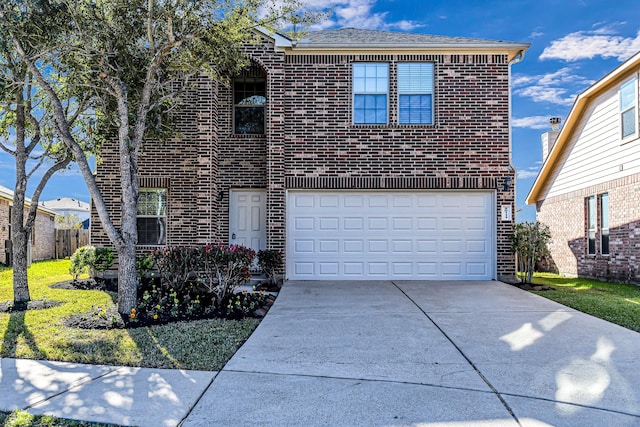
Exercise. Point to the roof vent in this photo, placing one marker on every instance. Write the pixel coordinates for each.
(554, 122)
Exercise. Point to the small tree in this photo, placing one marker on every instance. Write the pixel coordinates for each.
(529, 242)
(134, 58)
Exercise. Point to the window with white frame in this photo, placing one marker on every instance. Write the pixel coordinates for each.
(604, 224)
(591, 225)
(152, 216)
(628, 109)
(370, 93)
(415, 93)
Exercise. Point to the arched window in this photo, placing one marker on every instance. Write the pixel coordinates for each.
(249, 101)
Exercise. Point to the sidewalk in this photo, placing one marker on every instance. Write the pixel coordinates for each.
(372, 354)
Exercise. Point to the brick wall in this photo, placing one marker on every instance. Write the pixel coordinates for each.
(43, 244)
(310, 139)
(566, 217)
(42, 247)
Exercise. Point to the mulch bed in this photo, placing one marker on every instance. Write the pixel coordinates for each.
(111, 319)
(87, 285)
(532, 287)
(9, 307)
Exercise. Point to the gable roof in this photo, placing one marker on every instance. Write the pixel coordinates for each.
(7, 194)
(66, 203)
(562, 144)
(354, 39)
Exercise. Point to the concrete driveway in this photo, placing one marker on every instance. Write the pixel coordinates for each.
(425, 354)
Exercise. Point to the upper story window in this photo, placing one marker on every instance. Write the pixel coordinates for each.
(628, 109)
(415, 93)
(152, 216)
(370, 93)
(249, 102)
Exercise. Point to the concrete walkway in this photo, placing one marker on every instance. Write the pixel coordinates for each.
(372, 354)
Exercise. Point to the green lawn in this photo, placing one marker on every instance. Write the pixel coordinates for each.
(24, 419)
(616, 302)
(40, 334)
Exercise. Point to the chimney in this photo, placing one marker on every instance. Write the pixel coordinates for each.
(549, 137)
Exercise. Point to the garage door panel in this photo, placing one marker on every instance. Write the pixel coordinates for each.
(376, 235)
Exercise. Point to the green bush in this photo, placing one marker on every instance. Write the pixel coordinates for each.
(89, 259)
(529, 242)
(270, 262)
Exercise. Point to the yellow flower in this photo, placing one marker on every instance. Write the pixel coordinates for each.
(158, 306)
(132, 315)
(155, 317)
(133, 311)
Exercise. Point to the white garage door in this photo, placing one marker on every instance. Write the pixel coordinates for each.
(390, 235)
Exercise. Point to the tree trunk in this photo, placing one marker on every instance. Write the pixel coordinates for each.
(20, 284)
(127, 279)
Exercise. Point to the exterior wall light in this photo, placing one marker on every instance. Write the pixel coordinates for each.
(506, 185)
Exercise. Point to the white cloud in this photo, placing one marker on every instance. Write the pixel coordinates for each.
(532, 122)
(541, 93)
(356, 14)
(602, 42)
(527, 173)
(553, 87)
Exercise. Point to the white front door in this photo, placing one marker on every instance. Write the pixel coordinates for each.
(248, 218)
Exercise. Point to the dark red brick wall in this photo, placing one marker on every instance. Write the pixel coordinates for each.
(566, 217)
(310, 141)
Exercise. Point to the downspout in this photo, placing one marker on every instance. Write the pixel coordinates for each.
(518, 58)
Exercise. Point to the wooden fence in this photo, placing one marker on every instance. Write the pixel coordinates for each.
(67, 241)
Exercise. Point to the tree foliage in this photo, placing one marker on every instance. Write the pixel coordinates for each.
(529, 242)
(133, 59)
(27, 125)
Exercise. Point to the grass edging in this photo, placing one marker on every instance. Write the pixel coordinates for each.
(617, 303)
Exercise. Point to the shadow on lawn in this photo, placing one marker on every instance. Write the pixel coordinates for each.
(15, 328)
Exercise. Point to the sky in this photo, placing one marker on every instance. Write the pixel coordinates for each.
(574, 43)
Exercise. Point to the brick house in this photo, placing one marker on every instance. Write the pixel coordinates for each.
(588, 190)
(42, 236)
(359, 154)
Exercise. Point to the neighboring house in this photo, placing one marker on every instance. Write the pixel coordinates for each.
(359, 154)
(588, 190)
(68, 206)
(42, 236)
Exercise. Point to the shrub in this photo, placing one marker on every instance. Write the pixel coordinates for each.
(178, 265)
(90, 259)
(226, 267)
(218, 269)
(270, 262)
(529, 242)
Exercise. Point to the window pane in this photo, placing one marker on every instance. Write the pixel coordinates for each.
(604, 224)
(604, 211)
(249, 120)
(415, 109)
(592, 213)
(592, 242)
(415, 78)
(604, 245)
(152, 231)
(628, 122)
(249, 99)
(627, 95)
(370, 109)
(152, 202)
